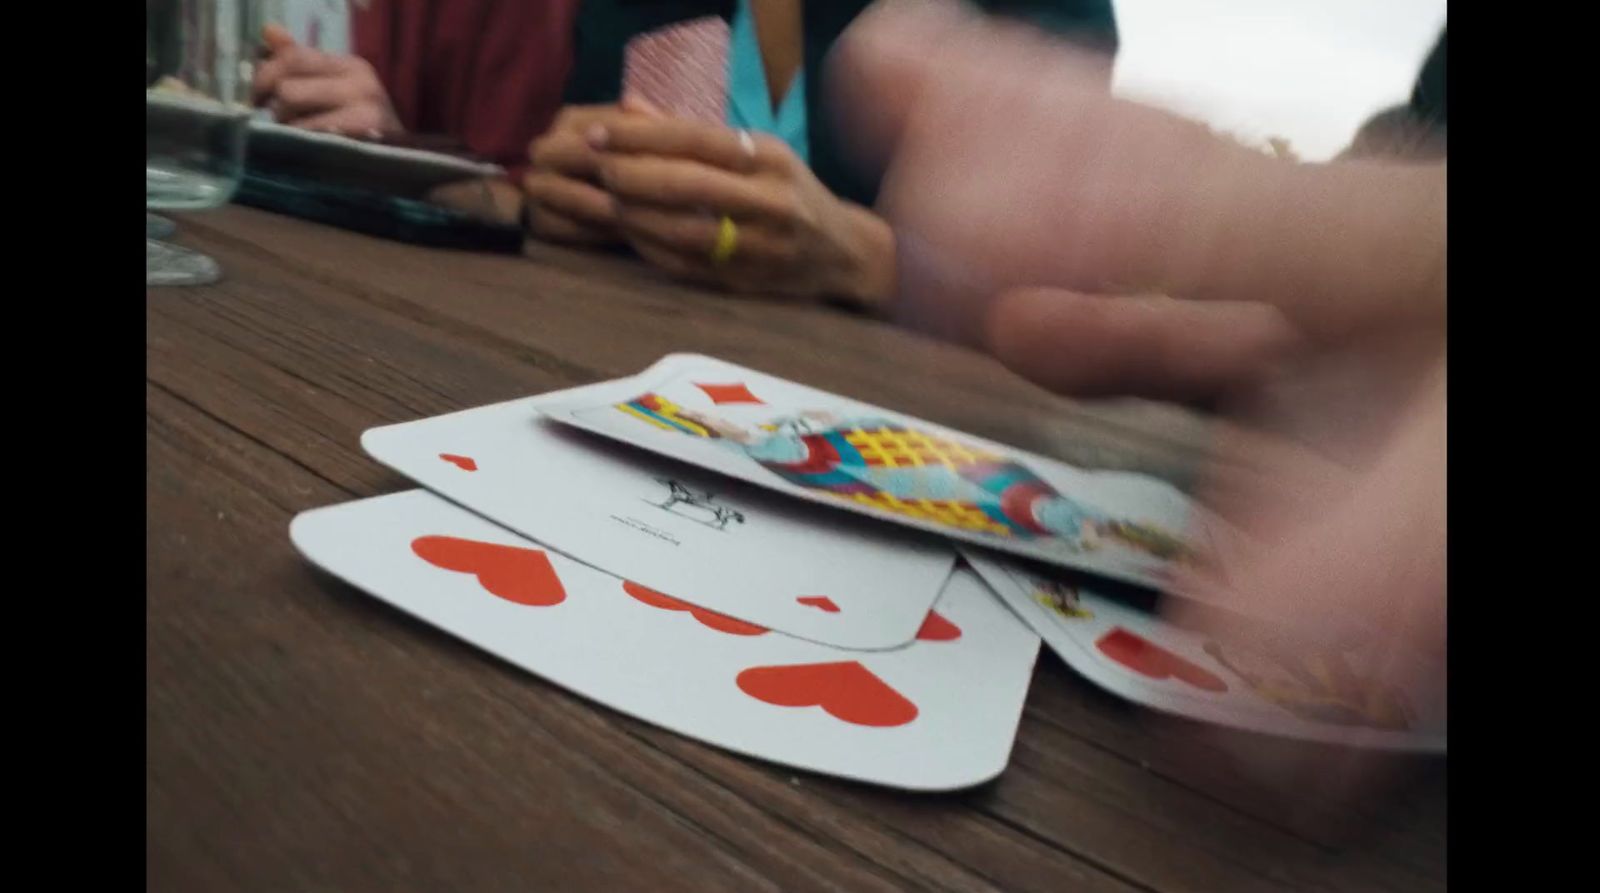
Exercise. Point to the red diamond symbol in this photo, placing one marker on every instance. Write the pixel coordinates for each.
(728, 393)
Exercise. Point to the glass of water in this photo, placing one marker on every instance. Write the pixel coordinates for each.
(197, 116)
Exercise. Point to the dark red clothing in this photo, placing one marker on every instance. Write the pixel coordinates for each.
(489, 73)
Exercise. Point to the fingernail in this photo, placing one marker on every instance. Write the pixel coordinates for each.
(596, 136)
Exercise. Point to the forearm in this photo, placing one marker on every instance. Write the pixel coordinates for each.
(1336, 246)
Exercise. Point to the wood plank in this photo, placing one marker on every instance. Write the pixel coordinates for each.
(303, 736)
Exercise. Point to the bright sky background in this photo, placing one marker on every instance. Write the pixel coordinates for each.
(1311, 71)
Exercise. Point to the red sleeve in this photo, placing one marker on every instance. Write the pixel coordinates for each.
(489, 73)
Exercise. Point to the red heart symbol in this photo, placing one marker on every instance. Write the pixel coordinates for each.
(465, 463)
(719, 622)
(819, 601)
(1152, 660)
(519, 575)
(846, 690)
(938, 629)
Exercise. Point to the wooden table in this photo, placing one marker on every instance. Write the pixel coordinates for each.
(305, 737)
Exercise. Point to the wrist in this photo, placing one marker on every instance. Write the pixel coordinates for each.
(866, 276)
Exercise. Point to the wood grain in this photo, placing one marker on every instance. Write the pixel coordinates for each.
(302, 736)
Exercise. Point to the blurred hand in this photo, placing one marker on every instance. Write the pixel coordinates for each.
(317, 91)
(566, 202)
(673, 180)
(1101, 247)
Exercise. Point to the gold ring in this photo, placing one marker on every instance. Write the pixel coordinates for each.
(727, 241)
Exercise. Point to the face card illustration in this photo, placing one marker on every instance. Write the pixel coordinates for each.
(829, 450)
(1304, 693)
(940, 714)
(720, 544)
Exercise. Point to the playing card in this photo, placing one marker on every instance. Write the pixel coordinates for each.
(319, 24)
(699, 537)
(681, 69)
(937, 715)
(1298, 693)
(846, 454)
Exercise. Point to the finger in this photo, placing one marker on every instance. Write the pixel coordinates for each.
(265, 81)
(676, 183)
(276, 38)
(299, 97)
(741, 274)
(570, 198)
(292, 62)
(697, 234)
(1136, 346)
(565, 152)
(678, 264)
(555, 227)
(723, 147)
(358, 121)
(578, 118)
(682, 232)
(563, 147)
(636, 104)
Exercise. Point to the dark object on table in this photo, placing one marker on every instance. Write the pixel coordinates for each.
(406, 167)
(376, 214)
(441, 144)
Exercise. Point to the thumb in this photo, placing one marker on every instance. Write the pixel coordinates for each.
(276, 37)
(633, 103)
(1135, 345)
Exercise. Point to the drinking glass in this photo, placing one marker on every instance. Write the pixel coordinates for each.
(197, 119)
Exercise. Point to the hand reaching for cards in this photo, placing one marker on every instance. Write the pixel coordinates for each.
(307, 88)
(674, 180)
(1101, 247)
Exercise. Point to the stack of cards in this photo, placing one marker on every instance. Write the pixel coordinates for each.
(807, 579)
